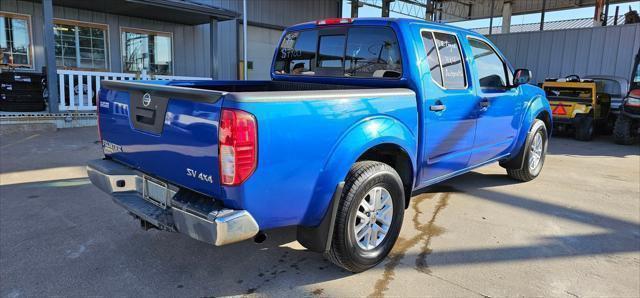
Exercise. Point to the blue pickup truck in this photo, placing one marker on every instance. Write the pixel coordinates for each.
(359, 113)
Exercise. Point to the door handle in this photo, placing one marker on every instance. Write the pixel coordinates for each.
(437, 108)
(485, 103)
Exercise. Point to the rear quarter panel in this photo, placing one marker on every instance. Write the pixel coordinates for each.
(307, 141)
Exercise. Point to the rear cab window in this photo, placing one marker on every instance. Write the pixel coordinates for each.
(297, 53)
(356, 51)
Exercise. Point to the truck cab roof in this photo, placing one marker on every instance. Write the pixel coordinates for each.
(403, 28)
(386, 22)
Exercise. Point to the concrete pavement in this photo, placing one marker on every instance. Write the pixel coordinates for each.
(574, 231)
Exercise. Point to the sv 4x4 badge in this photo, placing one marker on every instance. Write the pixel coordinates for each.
(201, 176)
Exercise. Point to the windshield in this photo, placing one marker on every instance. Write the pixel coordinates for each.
(367, 52)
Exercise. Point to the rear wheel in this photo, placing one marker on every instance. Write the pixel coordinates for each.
(623, 131)
(585, 129)
(533, 152)
(369, 218)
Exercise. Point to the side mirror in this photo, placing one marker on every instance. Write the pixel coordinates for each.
(521, 77)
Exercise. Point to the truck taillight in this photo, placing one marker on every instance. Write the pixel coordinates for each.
(633, 102)
(238, 146)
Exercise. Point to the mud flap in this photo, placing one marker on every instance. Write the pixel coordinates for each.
(318, 238)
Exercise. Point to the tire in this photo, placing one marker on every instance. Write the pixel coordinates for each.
(529, 169)
(585, 129)
(623, 133)
(605, 127)
(364, 178)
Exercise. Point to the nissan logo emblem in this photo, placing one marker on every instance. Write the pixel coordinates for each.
(146, 99)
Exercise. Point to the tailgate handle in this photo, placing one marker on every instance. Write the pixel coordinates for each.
(148, 111)
(145, 116)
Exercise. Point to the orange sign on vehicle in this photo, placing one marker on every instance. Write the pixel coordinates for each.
(559, 110)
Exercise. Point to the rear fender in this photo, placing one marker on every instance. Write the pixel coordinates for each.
(362, 136)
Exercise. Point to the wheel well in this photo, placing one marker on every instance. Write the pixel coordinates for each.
(544, 116)
(397, 158)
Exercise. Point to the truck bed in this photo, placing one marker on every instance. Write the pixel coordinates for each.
(176, 135)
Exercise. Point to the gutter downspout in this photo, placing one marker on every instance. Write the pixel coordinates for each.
(244, 39)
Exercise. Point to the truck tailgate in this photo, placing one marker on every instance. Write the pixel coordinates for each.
(168, 132)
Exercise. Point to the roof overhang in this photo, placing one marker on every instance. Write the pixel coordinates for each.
(174, 11)
(460, 10)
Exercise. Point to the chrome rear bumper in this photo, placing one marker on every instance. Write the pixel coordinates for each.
(211, 223)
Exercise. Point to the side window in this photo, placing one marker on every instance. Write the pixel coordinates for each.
(445, 59)
(297, 53)
(373, 52)
(432, 57)
(491, 70)
(453, 74)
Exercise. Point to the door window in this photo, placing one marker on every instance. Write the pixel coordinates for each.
(447, 57)
(432, 57)
(491, 69)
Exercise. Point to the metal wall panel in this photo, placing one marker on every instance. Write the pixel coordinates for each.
(228, 50)
(281, 13)
(587, 51)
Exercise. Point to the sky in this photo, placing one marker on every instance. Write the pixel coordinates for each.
(578, 13)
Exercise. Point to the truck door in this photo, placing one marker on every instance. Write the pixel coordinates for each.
(449, 110)
(496, 102)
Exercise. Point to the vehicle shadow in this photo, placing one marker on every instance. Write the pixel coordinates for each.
(620, 236)
(600, 146)
(279, 264)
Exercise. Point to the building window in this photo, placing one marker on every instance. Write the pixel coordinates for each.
(15, 41)
(80, 45)
(145, 50)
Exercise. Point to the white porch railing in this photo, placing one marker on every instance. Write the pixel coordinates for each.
(78, 90)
